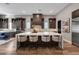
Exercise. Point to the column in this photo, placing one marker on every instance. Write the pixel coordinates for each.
(10, 23)
(28, 24)
(46, 24)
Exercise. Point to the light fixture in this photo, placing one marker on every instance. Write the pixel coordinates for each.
(37, 16)
(24, 12)
(51, 11)
(37, 11)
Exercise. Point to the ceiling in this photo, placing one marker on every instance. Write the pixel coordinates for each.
(30, 8)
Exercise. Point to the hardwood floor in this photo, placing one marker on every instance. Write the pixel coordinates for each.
(68, 50)
(10, 49)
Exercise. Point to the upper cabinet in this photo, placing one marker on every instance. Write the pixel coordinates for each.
(37, 20)
(52, 23)
(3, 22)
(18, 23)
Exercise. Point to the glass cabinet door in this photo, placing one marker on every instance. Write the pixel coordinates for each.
(3, 22)
(18, 23)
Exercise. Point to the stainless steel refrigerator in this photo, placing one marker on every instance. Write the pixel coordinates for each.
(75, 31)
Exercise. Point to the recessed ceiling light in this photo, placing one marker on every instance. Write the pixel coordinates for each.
(24, 12)
(51, 11)
(37, 11)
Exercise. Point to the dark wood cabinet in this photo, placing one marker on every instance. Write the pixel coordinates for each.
(59, 26)
(31, 22)
(18, 23)
(52, 23)
(42, 23)
(37, 20)
(3, 22)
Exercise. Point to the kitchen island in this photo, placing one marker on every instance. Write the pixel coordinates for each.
(60, 40)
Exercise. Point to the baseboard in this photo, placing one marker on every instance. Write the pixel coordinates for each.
(75, 44)
(68, 41)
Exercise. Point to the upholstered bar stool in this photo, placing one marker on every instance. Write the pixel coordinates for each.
(33, 40)
(55, 38)
(22, 39)
(45, 40)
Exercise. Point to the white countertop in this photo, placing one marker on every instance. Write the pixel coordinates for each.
(39, 33)
(7, 31)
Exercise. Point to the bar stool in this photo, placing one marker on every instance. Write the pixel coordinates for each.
(55, 39)
(45, 40)
(33, 40)
(22, 39)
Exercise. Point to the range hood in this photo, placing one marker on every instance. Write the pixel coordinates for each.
(37, 18)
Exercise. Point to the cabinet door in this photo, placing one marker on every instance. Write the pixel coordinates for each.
(18, 23)
(22, 24)
(42, 23)
(59, 26)
(52, 23)
(3, 22)
(37, 20)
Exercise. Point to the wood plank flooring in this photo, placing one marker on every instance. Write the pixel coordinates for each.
(68, 50)
(10, 49)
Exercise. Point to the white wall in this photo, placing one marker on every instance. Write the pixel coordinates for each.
(63, 15)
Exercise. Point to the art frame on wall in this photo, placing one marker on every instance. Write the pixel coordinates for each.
(66, 25)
